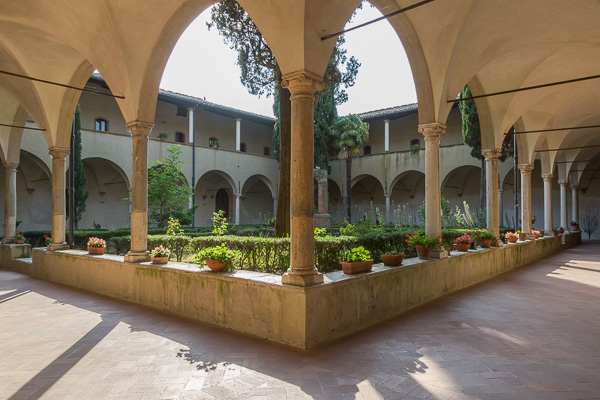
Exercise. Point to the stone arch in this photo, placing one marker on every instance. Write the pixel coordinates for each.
(207, 187)
(367, 195)
(407, 194)
(256, 201)
(462, 184)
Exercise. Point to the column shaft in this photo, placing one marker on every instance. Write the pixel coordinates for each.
(387, 135)
(238, 134)
(237, 209)
(58, 155)
(302, 271)
(491, 196)
(191, 125)
(10, 202)
(575, 203)
(563, 204)
(526, 197)
(387, 208)
(501, 206)
(139, 192)
(548, 223)
(433, 217)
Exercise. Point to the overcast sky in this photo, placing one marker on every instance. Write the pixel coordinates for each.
(202, 65)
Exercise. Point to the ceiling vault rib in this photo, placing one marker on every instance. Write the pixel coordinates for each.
(545, 85)
(61, 84)
(386, 16)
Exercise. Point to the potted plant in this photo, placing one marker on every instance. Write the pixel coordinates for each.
(485, 237)
(541, 232)
(96, 246)
(511, 237)
(162, 136)
(357, 260)
(218, 258)
(19, 238)
(160, 255)
(392, 258)
(270, 223)
(536, 234)
(560, 230)
(522, 235)
(47, 240)
(214, 143)
(462, 243)
(423, 244)
(574, 226)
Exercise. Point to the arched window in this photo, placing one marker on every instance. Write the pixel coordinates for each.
(267, 151)
(367, 150)
(101, 125)
(213, 142)
(243, 147)
(180, 137)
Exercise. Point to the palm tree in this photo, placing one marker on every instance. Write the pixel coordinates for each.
(350, 132)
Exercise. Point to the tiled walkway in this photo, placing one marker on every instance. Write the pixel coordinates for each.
(530, 334)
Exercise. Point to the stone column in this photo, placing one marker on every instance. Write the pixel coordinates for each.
(322, 194)
(237, 208)
(548, 223)
(563, 204)
(387, 135)
(526, 198)
(275, 206)
(238, 133)
(191, 125)
(433, 217)
(491, 192)
(139, 192)
(575, 203)
(387, 207)
(10, 202)
(501, 206)
(58, 155)
(302, 272)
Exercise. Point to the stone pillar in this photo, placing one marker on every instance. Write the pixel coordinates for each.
(302, 272)
(191, 125)
(526, 198)
(548, 223)
(491, 192)
(139, 192)
(238, 133)
(237, 208)
(563, 204)
(275, 206)
(10, 202)
(388, 207)
(322, 193)
(501, 206)
(58, 155)
(387, 135)
(433, 217)
(575, 203)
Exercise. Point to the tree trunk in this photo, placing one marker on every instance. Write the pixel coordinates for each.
(483, 188)
(349, 186)
(282, 221)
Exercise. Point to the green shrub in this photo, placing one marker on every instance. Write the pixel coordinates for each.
(358, 254)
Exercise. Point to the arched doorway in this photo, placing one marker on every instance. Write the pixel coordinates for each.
(222, 202)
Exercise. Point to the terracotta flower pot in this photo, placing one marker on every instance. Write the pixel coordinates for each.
(356, 267)
(423, 252)
(464, 247)
(216, 265)
(19, 241)
(159, 260)
(522, 236)
(512, 239)
(98, 251)
(485, 242)
(392, 260)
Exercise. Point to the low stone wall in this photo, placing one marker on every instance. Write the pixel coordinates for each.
(259, 305)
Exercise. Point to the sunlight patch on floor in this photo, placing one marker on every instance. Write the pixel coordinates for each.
(583, 272)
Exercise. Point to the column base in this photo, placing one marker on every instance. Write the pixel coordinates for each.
(8, 241)
(57, 246)
(302, 280)
(137, 256)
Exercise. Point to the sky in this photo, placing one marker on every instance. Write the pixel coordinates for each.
(201, 65)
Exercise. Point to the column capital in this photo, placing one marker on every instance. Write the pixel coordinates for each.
(139, 128)
(526, 168)
(435, 129)
(500, 190)
(302, 82)
(563, 182)
(387, 121)
(238, 120)
(8, 165)
(57, 152)
(491, 154)
(574, 187)
(547, 177)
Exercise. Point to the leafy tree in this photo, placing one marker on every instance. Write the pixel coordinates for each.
(471, 133)
(351, 132)
(260, 74)
(80, 193)
(167, 197)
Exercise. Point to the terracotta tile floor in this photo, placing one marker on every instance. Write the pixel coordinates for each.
(530, 334)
